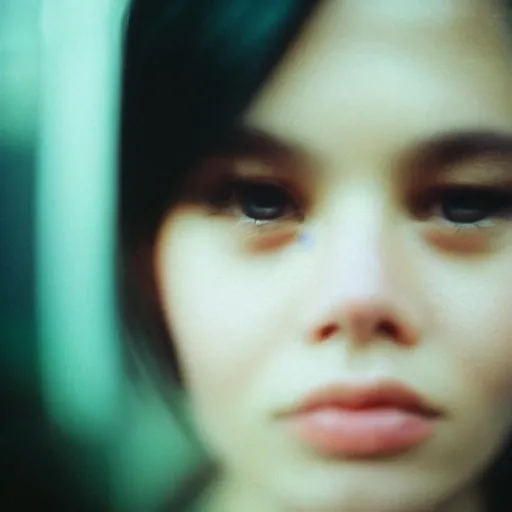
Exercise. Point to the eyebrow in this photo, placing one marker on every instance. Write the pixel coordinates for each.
(453, 148)
(250, 140)
(432, 155)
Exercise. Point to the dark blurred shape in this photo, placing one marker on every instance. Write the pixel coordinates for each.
(21, 434)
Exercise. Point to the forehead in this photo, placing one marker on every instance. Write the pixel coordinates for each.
(418, 10)
(392, 72)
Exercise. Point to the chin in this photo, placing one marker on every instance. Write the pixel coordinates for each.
(370, 501)
(354, 492)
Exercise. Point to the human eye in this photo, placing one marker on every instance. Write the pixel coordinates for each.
(465, 209)
(261, 201)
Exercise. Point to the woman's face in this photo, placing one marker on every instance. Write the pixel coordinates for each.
(347, 240)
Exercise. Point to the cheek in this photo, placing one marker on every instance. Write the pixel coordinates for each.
(476, 334)
(224, 316)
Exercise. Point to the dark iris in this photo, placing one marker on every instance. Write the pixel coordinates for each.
(471, 206)
(262, 201)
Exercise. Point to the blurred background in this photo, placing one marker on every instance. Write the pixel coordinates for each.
(76, 433)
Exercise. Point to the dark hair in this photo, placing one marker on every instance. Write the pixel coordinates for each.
(190, 69)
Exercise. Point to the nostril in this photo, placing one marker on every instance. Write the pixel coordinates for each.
(327, 331)
(384, 329)
(388, 329)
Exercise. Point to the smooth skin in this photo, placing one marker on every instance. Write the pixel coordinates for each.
(378, 104)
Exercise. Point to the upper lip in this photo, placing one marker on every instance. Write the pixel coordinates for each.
(365, 396)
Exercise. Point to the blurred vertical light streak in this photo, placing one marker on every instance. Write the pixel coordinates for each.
(80, 350)
(129, 435)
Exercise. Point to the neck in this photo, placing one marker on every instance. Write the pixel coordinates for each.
(230, 495)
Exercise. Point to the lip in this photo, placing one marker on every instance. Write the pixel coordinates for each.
(372, 420)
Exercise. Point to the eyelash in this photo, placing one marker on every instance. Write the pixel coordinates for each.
(481, 206)
(230, 197)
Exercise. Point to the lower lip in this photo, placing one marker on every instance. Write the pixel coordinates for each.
(362, 433)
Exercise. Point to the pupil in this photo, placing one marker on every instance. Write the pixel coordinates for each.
(263, 202)
(466, 207)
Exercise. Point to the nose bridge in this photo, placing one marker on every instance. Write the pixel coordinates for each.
(356, 240)
(362, 275)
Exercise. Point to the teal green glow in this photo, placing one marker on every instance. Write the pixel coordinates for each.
(85, 390)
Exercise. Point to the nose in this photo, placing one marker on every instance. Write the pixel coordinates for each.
(364, 320)
(365, 289)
